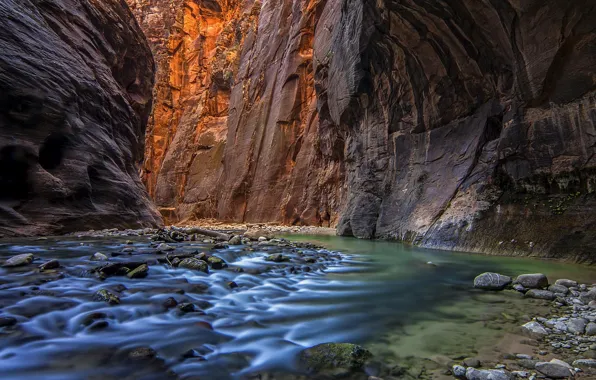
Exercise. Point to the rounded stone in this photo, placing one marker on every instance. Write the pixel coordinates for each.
(491, 281)
(532, 281)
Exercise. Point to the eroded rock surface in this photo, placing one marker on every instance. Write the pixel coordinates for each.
(462, 125)
(75, 89)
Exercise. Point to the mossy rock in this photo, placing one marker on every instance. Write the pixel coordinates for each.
(105, 295)
(277, 258)
(216, 262)
(139, 272)
(329, 356)
(194, 264)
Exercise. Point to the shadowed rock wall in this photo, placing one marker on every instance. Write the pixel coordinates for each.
(75, 94)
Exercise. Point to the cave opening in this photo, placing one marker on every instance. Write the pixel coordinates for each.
(52, 150)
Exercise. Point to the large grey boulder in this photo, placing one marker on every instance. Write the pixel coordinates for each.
(490, 374)
(532, 281)
(541, 294)
(491, 281)
(554, 369)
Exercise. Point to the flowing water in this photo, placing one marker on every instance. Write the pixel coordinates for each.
(382, 295)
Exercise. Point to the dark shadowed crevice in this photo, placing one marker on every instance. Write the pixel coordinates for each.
(52, 150)
(15, 162)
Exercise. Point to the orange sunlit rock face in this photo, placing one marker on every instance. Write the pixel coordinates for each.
(236, 110)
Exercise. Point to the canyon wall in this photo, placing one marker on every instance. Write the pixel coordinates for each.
(467, 124)
(236, 132)
(75, 86)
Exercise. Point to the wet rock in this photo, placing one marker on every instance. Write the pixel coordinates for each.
(558, 289)
(139, 272)
(491, 281)
(585, 363)
(333, 355)
(98, 256)
(256, 234)
(232, 285)
(105, 295)
(18, 260)
(576, 325)
(7, 321)
(91, 318)
(262, 238)
(555, 370)
(119, 269)
(187, 307)
(99, 325)
(488, 374)
(220, 246)
(277, 258)
(142, 353)
(458, 371)
(194, 264)
(527, 363)
(519, 288)
(52, 264)
(170, 303)
(532, 281)
(193, 354)
(216, 263)
(534, 330)
(163, 247)
(235, 240)
(540, 294)
(566, 283)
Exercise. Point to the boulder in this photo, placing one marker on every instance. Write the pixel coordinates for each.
(532, 281)
(585, 363)
(534, 330)
(490, 374)
(105, 295)
(491, 281)
(576, 325)
(540, 294)
(216, 263)
(566, 283)
(235, 240)
(48, 265)
(139, 272)
(554, 369)
(194, 264)
(18, 260)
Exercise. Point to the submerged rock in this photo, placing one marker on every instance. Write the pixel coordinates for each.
(18, 260)
(532, 281)
(333, 355)
(105, 295)
(142, 353)
(491, 281)
(7, 321)
(163, 247)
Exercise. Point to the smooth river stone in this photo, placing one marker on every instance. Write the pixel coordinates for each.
(532, 281)
(491, 281)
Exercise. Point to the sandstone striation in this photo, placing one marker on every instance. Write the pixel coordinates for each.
(75, 89)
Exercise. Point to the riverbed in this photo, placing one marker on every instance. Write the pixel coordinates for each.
(410, 307)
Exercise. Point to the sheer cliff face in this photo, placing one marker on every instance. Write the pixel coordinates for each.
(463, 125)
(75, 89)
(471, 123)
(235, 132)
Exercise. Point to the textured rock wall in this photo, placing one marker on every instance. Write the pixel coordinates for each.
(471, 123)
(235, 132)
(466, 124)
(75, 88)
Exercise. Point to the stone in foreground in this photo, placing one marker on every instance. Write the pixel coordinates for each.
(459, 371)
(532, 281)
(18, 260)
(491, 281)
(555, 370)
(534, 330)
(491, 374)
(328, 356)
